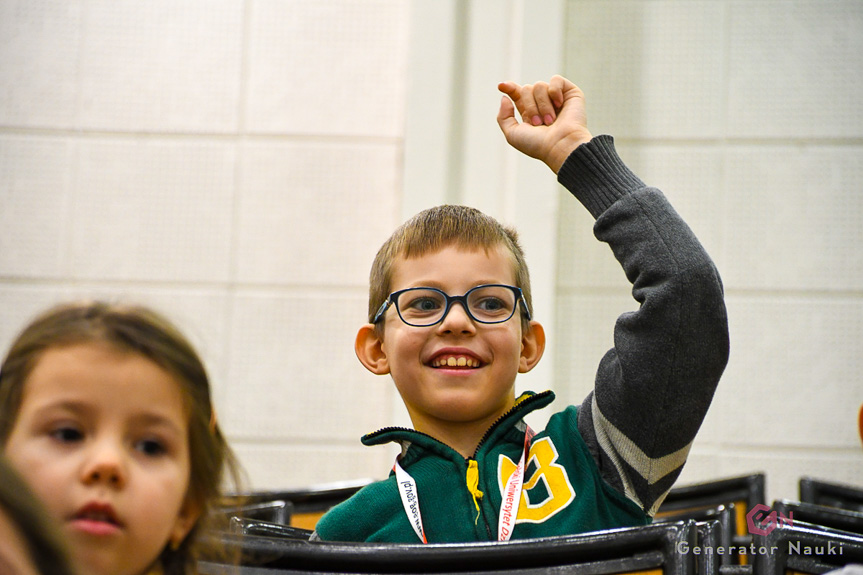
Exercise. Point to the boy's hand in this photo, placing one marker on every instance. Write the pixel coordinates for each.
(553, 124)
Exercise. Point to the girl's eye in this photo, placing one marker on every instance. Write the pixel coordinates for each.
(67, 434)
(151, 447)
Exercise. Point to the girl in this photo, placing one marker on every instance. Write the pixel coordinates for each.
(106, 412)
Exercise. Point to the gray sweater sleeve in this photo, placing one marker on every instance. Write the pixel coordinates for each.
(654, 386)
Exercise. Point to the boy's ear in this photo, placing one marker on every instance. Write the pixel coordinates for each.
(370, 351)
(532, 347)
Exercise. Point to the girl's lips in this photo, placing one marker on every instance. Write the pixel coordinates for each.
(96, 518)
(95, 527)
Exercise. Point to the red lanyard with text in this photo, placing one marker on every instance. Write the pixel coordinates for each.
(508, 507)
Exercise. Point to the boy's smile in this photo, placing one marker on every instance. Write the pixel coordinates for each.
(458, 374)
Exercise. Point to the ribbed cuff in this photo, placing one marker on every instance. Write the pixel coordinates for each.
(596, 175)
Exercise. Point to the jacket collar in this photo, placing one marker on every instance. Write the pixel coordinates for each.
(524, 404)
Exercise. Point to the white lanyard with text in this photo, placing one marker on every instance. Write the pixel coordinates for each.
(508, 506)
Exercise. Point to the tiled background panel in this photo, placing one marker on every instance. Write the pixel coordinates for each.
(703, 464)
(39, 51)
(794, 370)
(327, 67)
(712, 429)
(274, 303)
(21, 302)
(794, 69)
(783, 469)
(792, 217)
(583, 261)
(35, 188)
(585, 332)
(153, 209)
(293, 372)
(649, 69)
(315, 212)
(200, 314)
(273, 466)
(161, 65)
(689, 176)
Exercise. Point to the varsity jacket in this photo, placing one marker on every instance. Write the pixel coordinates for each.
(611, 461)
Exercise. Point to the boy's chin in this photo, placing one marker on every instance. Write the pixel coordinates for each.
(465, 409)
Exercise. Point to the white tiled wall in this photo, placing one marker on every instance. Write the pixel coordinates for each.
(236, 163)
(746, 114)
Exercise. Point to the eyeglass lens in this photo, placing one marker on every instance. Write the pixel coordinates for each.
(487, 304)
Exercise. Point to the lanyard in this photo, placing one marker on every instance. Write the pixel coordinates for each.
(508, 507)
(410, 501)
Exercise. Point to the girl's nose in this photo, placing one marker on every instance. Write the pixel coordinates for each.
(105, 465)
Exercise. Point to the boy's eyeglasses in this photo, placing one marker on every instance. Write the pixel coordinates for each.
(426, 306)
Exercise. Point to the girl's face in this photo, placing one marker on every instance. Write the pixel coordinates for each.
(102, 438)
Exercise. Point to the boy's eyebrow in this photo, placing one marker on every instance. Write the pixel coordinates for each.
(439, 285)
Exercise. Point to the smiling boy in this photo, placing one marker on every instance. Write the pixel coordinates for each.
(450, 321)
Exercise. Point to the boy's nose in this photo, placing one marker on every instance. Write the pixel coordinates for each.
(105, 465)
(457, 320)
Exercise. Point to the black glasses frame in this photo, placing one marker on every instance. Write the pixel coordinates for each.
(451, 299)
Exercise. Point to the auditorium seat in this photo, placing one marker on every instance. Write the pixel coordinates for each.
(830, 494)
(833, 517)
(661, 549)
(307, 504)
(804, 549)
(739, 493)
(276, 511)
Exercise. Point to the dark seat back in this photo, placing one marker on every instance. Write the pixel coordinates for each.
(740, 494)
(806, 549)
(830, 494)
(833, 517)
(277, 511)
(649, 550)
(308, 504)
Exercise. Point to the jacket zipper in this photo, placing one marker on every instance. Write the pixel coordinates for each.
(509, 412)
(483, 439)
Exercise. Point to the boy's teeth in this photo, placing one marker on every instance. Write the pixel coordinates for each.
(453, 361)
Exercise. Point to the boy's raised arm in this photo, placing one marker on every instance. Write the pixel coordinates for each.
(653, 388)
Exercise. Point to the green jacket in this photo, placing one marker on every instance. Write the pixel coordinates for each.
(563, 490)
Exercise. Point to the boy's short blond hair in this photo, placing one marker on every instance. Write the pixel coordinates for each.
(437, 228)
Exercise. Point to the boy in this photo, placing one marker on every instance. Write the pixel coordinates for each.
(450, 321)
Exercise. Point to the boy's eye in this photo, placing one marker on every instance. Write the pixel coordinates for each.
(491, 304)
(151, 447)
(426, 304)
(67, 434)
(423, 303)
